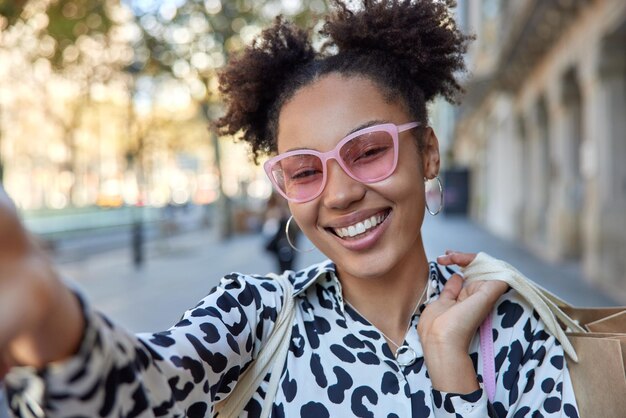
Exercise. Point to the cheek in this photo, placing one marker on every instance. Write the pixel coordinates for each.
(305, 215)
(409, 178)
(414, 157)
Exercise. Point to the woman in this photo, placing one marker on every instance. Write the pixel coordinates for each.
(379, 331)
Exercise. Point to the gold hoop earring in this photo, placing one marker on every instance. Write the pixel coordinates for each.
(289, 239)
(440, 197)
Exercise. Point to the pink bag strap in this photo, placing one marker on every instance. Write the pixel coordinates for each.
(486, 349)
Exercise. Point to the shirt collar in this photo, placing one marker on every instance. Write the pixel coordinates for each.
(325, 273)
(317, 272)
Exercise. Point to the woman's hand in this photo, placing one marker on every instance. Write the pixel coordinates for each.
(40, 319)
(447, 326)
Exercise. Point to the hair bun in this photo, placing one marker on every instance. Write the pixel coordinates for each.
(250, 81)
(421, 36)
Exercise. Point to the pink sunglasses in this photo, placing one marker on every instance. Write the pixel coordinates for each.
(367, 155)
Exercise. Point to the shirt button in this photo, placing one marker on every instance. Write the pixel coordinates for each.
(468, 408)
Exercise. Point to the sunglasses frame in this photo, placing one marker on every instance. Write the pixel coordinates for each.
(391, 128)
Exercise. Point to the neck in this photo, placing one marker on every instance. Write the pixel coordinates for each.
(389, 301)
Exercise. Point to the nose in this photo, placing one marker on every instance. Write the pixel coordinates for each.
(341, 190)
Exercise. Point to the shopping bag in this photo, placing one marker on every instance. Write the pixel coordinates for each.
(599, 376)
(594, 339)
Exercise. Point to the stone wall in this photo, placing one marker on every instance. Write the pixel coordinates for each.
(546, 140)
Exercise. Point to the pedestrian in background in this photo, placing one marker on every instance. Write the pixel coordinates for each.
(378, 330)
(280, 236)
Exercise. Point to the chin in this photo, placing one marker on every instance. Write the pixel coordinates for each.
(366, 267)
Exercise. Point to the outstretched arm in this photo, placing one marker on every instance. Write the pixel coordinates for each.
(40, 319)
(63, 358)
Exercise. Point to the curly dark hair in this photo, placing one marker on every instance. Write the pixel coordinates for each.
(411, 49)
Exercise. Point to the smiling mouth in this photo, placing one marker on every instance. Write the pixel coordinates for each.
(361, 228)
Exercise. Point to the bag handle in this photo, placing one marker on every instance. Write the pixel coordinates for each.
(273, 353)
(485, 267)
(489, 359)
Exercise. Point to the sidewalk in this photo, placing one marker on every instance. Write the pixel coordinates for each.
(181, 271)
(564, 279)
(178, 272)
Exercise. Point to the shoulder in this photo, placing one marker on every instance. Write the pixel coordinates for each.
(246, 289)
(520, 334)
(513, 312)
(270, 282)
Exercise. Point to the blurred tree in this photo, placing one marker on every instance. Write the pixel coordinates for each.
(60, 24)
(191, 40)
(11, 10)
(75, 40)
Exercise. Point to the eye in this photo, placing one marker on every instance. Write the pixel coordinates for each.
(367, 147)
(371, 152)
(301, 168)
(366, 152)
(303, 174)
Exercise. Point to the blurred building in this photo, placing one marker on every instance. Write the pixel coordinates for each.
(543, 128)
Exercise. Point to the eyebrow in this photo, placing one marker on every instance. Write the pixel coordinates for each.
(367, 125)
(358, 128)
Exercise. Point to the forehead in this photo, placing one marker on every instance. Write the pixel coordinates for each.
(321, 113)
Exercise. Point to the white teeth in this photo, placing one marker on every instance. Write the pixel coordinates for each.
(360, 227)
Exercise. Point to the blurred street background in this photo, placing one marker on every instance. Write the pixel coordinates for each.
(106, 146)
(182, 269)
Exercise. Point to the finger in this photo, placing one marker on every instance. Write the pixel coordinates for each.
(495, 289)
(456, 258)
(460, 258)
(490, 291)
(472, 289)
(452, 288)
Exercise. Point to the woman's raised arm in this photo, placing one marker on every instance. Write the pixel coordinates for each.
(40, 318)
(80, 363)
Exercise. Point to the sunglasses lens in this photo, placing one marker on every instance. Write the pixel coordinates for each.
(299, 176)
(369, 157)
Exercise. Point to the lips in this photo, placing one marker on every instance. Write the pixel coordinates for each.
(361, 227)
